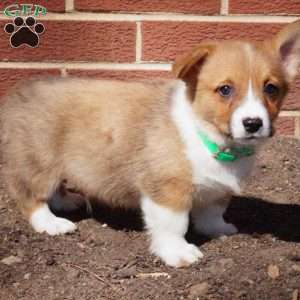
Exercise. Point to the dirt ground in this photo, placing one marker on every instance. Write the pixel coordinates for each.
(108, 258)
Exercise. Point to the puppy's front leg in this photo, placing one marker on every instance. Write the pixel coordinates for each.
(167, 226)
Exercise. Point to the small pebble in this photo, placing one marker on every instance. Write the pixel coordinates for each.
(126, 272)
(296, 268)
(273, 271)
(50, 261)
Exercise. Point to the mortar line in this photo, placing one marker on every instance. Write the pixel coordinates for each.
(69, 5)
(138, 42)
(297, 127)
(106, 17)
(87, 66)
(290, 113)
(224, 7)
(63, 72)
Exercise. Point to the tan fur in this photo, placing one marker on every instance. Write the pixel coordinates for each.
(115, 140)
(110, 140)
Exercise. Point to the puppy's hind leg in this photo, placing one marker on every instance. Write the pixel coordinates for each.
(32, 199)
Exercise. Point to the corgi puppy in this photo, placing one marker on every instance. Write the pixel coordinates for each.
(170, 147)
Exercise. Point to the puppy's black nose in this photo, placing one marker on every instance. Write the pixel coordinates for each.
(252, 125)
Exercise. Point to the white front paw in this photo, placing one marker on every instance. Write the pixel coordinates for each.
(176, 252)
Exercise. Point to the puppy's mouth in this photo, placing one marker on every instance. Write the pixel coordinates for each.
(246, 138)
(253, 137)
(250, 139)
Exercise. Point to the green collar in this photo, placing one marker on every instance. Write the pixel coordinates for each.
(226, 154)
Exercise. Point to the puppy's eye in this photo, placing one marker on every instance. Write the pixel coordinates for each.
(225, 90)
(271, 89)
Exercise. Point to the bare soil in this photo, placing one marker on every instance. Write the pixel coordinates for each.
(108, 258)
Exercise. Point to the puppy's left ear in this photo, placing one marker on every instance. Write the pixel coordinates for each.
(287, 45)
(188, 66)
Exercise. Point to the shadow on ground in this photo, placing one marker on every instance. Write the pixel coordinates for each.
(116, 218)
(250, 215)
(253, 215)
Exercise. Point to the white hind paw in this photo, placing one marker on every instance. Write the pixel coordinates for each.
(43, 220)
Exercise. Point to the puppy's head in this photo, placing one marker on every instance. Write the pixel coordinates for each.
(238, 87)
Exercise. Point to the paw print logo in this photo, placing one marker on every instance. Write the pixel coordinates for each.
(24, 32)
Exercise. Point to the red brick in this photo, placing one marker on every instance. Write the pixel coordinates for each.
(187, 6)
(162, 41)
(120, 74)
(53, 5)
(293, 99)
(292, 102)
(76, 41)
(9, 77)
(285, 126)
(279, 7)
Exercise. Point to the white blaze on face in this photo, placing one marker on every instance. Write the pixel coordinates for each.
(250, 107)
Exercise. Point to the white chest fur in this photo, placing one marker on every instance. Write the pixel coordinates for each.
(213, 177)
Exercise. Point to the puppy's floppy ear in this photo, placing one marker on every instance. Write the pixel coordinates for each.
(187, 66)
(287, 45)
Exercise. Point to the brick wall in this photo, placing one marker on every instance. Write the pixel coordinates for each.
(129, 39)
